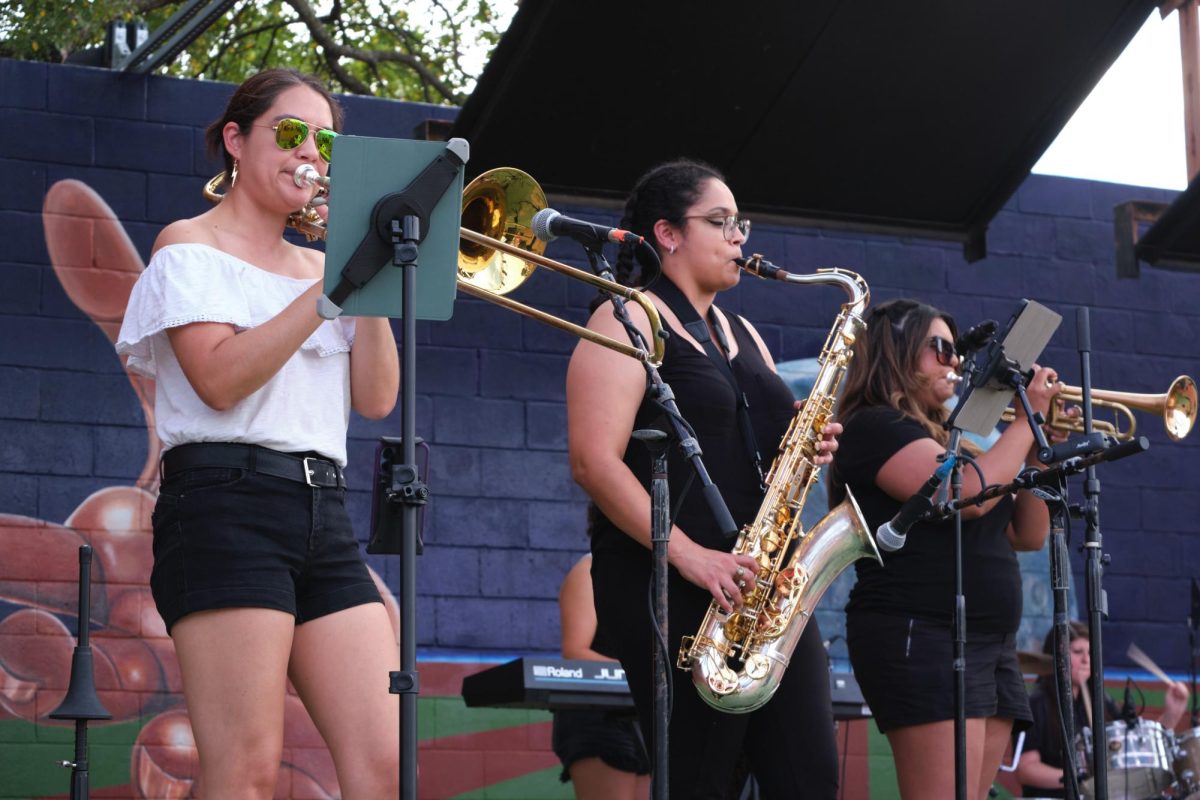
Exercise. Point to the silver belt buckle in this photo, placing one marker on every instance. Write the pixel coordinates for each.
(308, 473)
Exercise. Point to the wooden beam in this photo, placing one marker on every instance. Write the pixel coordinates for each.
(1189, 51)
(1165, 9)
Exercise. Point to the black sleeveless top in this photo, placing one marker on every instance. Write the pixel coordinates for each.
(707, 401)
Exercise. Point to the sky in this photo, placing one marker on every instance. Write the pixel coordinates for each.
(1130, 128)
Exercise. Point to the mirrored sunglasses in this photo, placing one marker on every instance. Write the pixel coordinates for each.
(290, 133)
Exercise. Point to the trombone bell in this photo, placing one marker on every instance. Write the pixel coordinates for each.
(500, 205)
(498, 250)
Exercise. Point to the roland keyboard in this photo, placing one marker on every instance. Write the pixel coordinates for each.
(536, 682)
(554, 683)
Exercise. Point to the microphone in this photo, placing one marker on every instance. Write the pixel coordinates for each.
(1128, 709)
(892, 534)
(976, 337)
(548, 225)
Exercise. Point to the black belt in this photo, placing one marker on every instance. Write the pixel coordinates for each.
(303, 469)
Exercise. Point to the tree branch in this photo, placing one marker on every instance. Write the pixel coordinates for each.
(334, 50)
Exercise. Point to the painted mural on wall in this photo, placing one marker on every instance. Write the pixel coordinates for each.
(136, 676)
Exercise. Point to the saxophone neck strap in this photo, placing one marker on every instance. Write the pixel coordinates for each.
(674, 299)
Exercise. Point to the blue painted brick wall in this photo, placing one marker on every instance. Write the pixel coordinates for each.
(506, 521)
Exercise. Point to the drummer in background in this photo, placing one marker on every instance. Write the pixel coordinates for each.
(1040, 769)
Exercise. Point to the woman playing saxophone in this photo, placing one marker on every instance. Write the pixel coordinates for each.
(690, 217)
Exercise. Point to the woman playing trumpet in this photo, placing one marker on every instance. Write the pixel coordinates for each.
(690, 217)
(257, 574)
(898, 625)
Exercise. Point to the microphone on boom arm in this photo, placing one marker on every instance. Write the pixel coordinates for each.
(549, 224)
(891, 535)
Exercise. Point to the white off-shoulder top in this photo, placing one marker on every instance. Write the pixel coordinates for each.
(305, 406)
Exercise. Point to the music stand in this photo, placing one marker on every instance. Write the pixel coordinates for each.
(402, 199)
(986, 393)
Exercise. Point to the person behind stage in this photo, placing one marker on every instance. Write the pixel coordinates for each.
(689, 216)
(1040, 768)
(898, 625)
(257, 574)
(601, 751)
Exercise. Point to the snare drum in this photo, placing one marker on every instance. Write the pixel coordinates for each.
(1187, 762)
(1139, 760)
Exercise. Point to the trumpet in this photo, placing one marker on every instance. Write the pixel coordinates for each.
(497, 249)
(1176, 406)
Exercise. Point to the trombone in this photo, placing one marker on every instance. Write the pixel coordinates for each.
(498, 251)
(1176, 406)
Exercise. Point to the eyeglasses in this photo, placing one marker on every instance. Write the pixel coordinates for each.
(944, 348)
(728, 225)
(290, 133)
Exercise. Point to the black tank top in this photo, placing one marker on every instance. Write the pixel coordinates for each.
(707, 401)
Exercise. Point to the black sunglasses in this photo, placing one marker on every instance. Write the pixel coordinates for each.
(944, 349)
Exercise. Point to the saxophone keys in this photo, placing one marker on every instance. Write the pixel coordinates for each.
(757, 666)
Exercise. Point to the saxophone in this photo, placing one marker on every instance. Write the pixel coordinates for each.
(737, 660)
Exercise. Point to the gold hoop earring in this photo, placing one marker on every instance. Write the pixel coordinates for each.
(233, 175)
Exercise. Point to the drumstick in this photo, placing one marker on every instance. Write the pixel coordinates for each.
(1141, 659)
(1087, 703)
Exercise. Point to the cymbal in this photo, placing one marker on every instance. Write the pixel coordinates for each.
(1035, 663)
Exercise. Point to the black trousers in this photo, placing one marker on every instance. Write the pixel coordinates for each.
(788, 744)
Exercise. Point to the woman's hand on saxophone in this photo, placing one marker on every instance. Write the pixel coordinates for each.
(724, 575)
(827, 445)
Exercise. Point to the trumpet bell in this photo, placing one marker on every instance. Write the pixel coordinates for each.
(1179, 410)
(500, 205)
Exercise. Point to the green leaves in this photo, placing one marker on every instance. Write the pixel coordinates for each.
(427, 50)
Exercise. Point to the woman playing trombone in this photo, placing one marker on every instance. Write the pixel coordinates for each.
(257, 574)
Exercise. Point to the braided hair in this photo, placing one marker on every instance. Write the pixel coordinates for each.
(666, 191)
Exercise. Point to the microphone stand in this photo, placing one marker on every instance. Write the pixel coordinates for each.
(959, 623)
(1195, 722)
(1036, 480)
(681, 435)
(1053, 492)
(1094, 559)
(1013, 377)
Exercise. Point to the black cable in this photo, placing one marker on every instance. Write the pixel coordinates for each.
(661, 643)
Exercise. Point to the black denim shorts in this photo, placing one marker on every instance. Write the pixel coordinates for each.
(905, 669)
(232, 538)
(611, 736)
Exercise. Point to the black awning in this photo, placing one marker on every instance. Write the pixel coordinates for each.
(910, 118)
